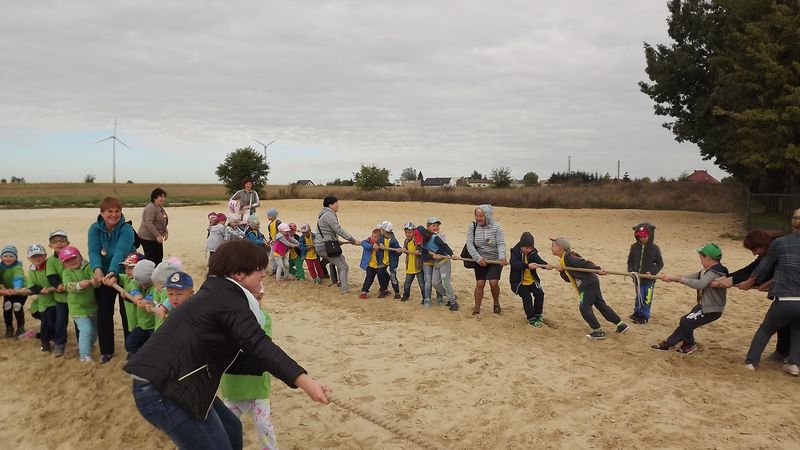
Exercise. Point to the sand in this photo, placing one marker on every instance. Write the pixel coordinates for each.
(490, 381)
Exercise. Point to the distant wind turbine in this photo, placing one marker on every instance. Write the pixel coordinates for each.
(114, 141)
(265, 146)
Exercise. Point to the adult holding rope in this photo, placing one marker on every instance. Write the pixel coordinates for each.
(486, 241)
(177, 371)
(247, 200)
(782, 257)
(110, 241)
(153, 229)
(327, 244)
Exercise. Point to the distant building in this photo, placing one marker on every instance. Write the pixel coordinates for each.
(440, 182)
(407, 183)
(702, 176)
(305, 183)
(472, 182)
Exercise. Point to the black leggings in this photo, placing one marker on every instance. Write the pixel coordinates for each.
(690, 322)
(153, 250)
(106, 297)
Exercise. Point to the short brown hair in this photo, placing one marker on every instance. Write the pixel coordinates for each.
(760, 238)
(239, 256)
(110, 202)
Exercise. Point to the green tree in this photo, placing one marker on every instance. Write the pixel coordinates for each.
(243, 164)
(89, 178)
(370, 178)
(408, 174)
(530, 179)
(730, 82)
(419, 177)
(501, 177)
(476, 175)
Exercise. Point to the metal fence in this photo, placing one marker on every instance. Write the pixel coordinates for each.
(770, 211)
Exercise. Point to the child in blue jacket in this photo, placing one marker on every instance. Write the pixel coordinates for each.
(370, 257)
(390, 258)
(524, 279)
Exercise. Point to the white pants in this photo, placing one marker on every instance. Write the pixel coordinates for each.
(259, 409)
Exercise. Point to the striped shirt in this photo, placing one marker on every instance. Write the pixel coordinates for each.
(784, 257)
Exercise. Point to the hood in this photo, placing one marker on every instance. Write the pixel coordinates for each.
(487, 211)
(420, 235)
(719, 268)
(526, 240)
(650, 227)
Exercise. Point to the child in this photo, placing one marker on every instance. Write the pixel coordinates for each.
(45, 300)
(272, 232)
(143, 292)
(233, 229)
(524, 279)
(644, 257)
(308, 253)
(390, 259)
(253, 232)
(13, 280)
(295, 257)
(212, 219)
(413, 269)
(58, 241)
(127, 283)
(280, 251)
(436, 250)
(710, 301)
(588, 286)
(370, 256)
(160, 274)
(216, 234)
(250, 394)
(80, 299)
(179, 287)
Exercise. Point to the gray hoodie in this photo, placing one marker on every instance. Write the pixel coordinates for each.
(710, 299)
(488, 241)
(329, 228)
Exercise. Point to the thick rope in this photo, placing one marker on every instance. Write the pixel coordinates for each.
(637, 281)
(416, 438)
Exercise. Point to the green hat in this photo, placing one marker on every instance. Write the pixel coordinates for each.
(711, 250)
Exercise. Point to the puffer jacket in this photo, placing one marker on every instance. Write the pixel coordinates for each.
(645, 258)
(486, 241)
(212, 333)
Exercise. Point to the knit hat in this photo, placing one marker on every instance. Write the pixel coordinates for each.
(143, 272)
(253, 220)
(305, 227)
(57, 233)
(711, 250)
(284, 227)
(272, 213)
(9, 249)
(132, 259)
(562, 242)
(526, 240)
(179, 280)
(166, 268)
(386, 226)
(36, 249)
(65, 254)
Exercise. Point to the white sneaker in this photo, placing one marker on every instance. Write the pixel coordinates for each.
(86, 359)
(750, 367)
(791, 369)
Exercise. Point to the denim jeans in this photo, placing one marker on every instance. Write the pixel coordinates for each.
(427, 271)
(779, 315)
(62, 315)
(136, 339)
(87, 327)
(420, 276)
(221, 430)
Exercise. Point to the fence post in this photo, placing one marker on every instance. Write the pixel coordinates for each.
(747, 209)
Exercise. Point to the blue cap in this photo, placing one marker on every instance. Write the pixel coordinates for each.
(179, 280)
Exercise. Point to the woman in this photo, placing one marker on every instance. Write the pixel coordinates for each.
(329, 231)
(110, 241)
(176, 374)
(248, 200)
(153, 230)
(486, 241)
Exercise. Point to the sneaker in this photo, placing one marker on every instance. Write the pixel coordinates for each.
(496, 309)
(9, 332)
(426, 303)
(597, 335)
(404, 298)
(383, 294)
(623, 328)
(59, 351)
(103, 358)
(440, 302)
(537, 321)
(750, 367)
(397, 296)
(45, 348)
(633, 317)
(362, 296)
(422, 302)
(791, 369)
(89, 359)
(661, 346)
(686, 349)
(454, 307)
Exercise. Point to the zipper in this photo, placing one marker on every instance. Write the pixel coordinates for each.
(641, 260)
(217, 387)
(205, 366)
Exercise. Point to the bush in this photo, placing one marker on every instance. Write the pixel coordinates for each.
(371, 178)
(501, 177)
(530, 179)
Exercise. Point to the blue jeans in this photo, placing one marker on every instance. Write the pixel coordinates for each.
(221, 430)
(644, 298)
(87, 328)
(136, 339)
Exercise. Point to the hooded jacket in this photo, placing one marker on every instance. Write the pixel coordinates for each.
(487, 241)
(518, 265)
(645, 258)
(116, 244)
(710, 299)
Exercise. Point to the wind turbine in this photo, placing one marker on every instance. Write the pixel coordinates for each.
(114, 141)
(265, 146)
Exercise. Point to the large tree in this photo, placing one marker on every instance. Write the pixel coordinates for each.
(730, 82)
(243, 164)
(501, 177)
(408, 174)
(371, 178)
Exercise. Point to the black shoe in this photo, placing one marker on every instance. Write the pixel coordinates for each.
(404, 298)
(453, 306)
(397, 296)
(45, 348)
(383, 294)
(9, 332)
(105, 358)
(634, 317)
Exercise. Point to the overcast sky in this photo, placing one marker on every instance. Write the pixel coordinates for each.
(446, 87)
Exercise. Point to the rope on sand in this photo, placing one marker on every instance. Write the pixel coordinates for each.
(416, 438)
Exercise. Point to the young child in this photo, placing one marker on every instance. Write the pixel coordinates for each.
(143, 292)
(308, 253)
(272, 233)
(233, 229)
(160, 274)
(390, 258)
(524, 279)
(253, 232)
(280, 251)
(247, 394)
(644, 257)
(212, 219)
(413, 269)
(435, 249)
(80, 286)
(179, 287)
(127, 284)
(38, 285)
(710, 301)
(58, 241)
(13, 280)
(216, 234)
(588, 286)
(295, 257)
(370, 257)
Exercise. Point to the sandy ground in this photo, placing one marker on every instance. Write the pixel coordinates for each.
(490, 381)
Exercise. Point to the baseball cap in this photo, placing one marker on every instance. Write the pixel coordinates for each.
(434, 219)
(68, 253)
(179, 280)
(57, 233)
(409, 226)
(212, 214)
(284, 227)
(221, 217)
(386, 226)
(132, 259)
(641, 231)
(711, 250)
(561, 241)
(305, 227)
(36, 249)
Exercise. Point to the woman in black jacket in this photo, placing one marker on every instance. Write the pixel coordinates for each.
(176, 374)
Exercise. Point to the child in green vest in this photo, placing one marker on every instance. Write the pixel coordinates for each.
(163, 270)
(78, 279)
(45, 302)
(58, 241)
(13, 280)
(143, 293)
(127, 283)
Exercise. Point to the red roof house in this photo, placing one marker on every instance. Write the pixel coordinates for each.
(702, 176)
